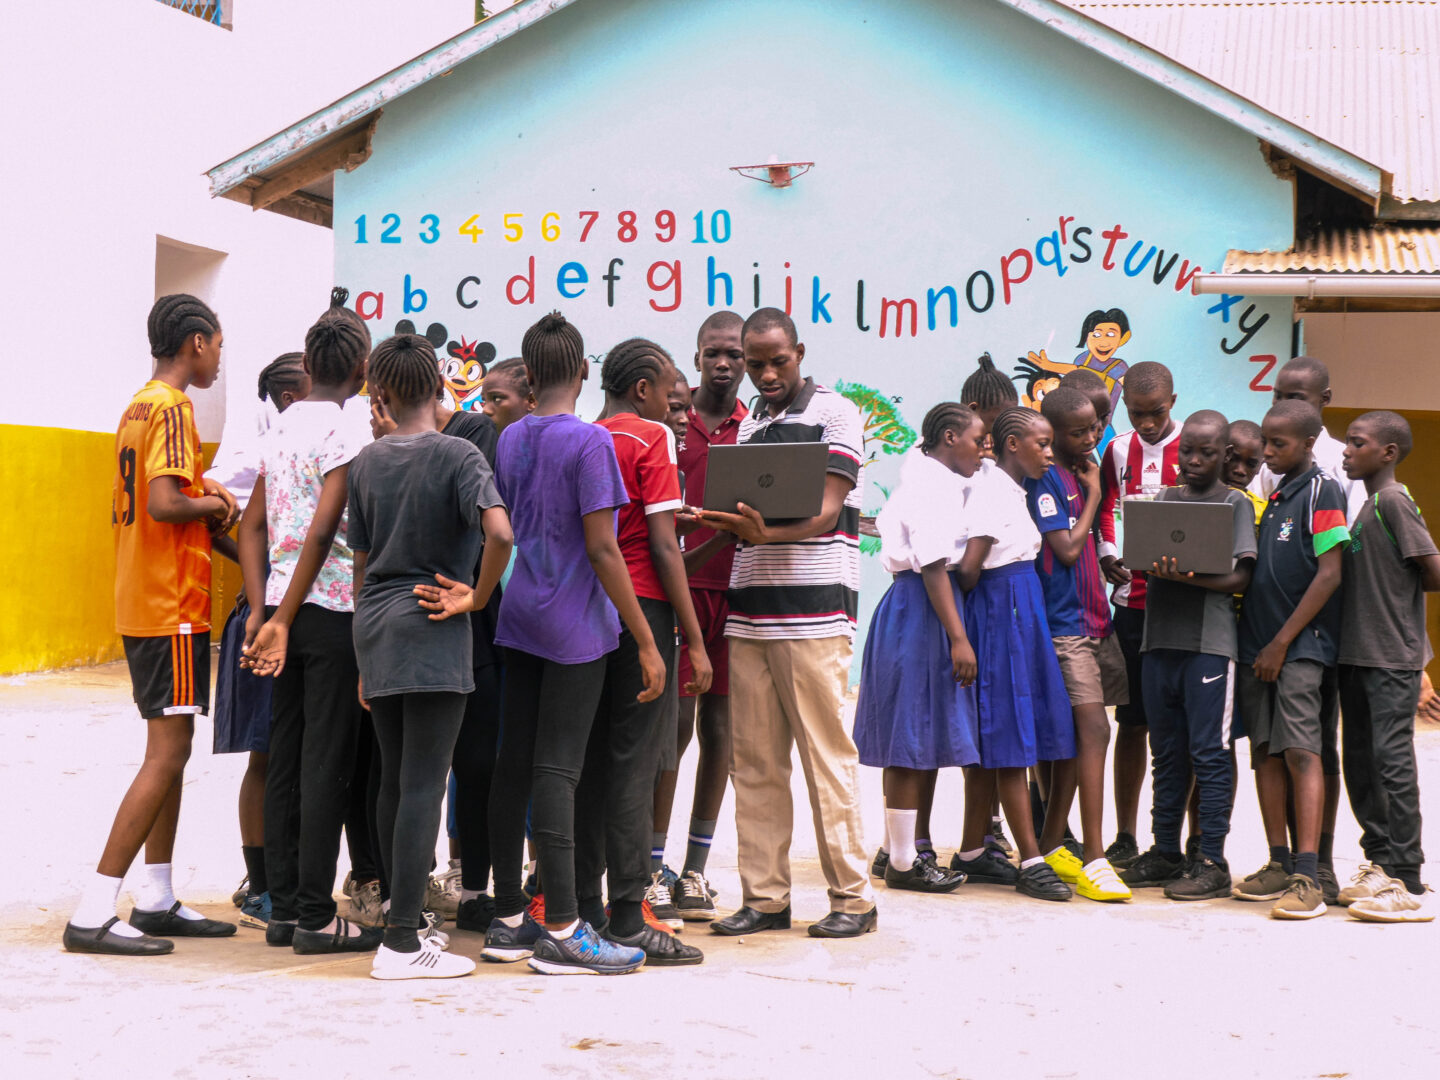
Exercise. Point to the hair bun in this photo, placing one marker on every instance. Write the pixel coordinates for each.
(549, 324)
(338, 295)
(985, 362)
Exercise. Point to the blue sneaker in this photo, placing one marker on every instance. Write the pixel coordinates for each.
(584, 953)
(255, 911)
(506, 944)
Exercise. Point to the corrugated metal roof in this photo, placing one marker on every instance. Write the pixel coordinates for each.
(1381, 250)
(1362, 74)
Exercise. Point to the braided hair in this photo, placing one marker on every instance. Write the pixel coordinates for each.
(174, 318)
(1017, 422)
(987, 388)
(513, 372)
(947, 416)
(404, 366)
(336, 346)
(554, 351)
(285, 372)
(631, 361)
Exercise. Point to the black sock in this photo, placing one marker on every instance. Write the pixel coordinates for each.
(1327, 850)
(1307, 863)
(1282, 856)
(402, 939)
(592, 910)
(255, 869)
(626, 918)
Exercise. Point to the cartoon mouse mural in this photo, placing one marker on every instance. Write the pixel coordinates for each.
(464, 371)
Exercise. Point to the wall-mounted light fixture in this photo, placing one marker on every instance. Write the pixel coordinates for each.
(775, 172)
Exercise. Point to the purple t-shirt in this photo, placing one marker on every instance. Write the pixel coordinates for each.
(551, 471)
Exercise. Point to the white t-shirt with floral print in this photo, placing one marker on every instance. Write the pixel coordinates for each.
(308, 440)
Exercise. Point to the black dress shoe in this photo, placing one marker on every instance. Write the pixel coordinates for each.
(749, 921)
(311, 942)
(280, 932)
(844, 924)
(172, 924)
(100, 939)
(924, 875)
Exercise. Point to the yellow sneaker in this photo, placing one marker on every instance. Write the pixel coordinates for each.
(1098, 881)
(1066, 866)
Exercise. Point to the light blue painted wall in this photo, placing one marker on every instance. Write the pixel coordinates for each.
(946, 137)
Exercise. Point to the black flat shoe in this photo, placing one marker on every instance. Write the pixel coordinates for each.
(990, 867)
(99, 939)
(840, 924)
(749, 921)
(312, 942)
(280, 933)
(171, 924)
(879, 863)
(924, 876)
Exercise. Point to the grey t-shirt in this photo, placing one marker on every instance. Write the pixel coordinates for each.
(1187, 617)
(415, 507)
(1384, 600)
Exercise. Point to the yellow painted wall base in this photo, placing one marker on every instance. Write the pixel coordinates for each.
(57, 591)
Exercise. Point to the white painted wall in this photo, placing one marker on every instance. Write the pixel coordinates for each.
(113, 111)
(1379, 360)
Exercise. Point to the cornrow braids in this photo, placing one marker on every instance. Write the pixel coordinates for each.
(631, 361)
(174, 318)
(1016, 421)
(987, 388)
(285, 372)
(947, 416)
(553, 351)
(404, 366)
(513, 372)
(336, 346)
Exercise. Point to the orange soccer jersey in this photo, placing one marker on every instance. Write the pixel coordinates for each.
(162, 571)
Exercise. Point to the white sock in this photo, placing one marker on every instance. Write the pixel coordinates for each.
(1061, 847)
(561, 935)
(512, 921)
(470, 894)
(97, 906)
(385, 907)
(157, 893)
(900, 835)
(1025, 864)
(970, 856)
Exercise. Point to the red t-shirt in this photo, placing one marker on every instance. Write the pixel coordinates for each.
(646, 453)
(715, 574)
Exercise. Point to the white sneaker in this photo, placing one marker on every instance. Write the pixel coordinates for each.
(429, 963)
(1394, 904)
(442, 894)
(1370, 881)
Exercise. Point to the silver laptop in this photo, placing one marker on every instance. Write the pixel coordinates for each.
(1199, 536)
(780, 480)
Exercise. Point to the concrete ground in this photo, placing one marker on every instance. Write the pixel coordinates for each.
(977, 984)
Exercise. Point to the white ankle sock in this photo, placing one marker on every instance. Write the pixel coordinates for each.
(569, 931)
(470, 894)
(97, 906)
(900, 834)
(512, 921)
(1025, 864)
(970, 856)
(156, 893)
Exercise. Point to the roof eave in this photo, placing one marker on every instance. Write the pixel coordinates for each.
(374, 95)
(1340, 166)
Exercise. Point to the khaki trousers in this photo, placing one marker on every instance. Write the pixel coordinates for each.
(783, 692)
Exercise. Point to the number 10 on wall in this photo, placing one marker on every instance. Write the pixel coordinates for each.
(627, 231)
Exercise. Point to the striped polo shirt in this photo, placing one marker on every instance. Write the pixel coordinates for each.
(808, 588)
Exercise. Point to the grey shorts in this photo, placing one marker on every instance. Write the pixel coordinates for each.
(1299, 711)
(1094, 670)
(669, 759)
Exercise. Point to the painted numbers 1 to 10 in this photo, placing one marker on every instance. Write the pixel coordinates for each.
(714, 228)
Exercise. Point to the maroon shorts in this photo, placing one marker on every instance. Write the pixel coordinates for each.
(711, 608)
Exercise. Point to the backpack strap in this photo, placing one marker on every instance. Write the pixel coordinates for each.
(1381, 517)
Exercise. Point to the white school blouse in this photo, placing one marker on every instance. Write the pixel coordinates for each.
(997, 509)
(923, 521)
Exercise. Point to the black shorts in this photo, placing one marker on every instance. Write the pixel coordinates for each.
(1129, 633)
(169, 676)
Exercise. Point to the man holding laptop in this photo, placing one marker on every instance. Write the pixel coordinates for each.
(1199, 541)
(794, 591)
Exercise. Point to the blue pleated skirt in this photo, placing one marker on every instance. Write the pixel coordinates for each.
(242, 698)
(912, 714)
(1024, 711)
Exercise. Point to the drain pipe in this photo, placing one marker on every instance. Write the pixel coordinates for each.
(1311, 286)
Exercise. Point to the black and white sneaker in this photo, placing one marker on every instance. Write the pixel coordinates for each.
(694, 899)
(429, 962)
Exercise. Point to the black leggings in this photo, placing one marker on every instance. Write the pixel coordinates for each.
(546, 715)
(474, 766)
(360, 818)
(416, 733)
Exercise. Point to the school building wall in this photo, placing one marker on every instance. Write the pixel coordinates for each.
(114, 111)
(980, 183)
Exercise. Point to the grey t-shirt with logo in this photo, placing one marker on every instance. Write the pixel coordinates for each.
(1188, 617)
(1384, 600)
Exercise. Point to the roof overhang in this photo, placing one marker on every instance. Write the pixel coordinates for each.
(1340, 167)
